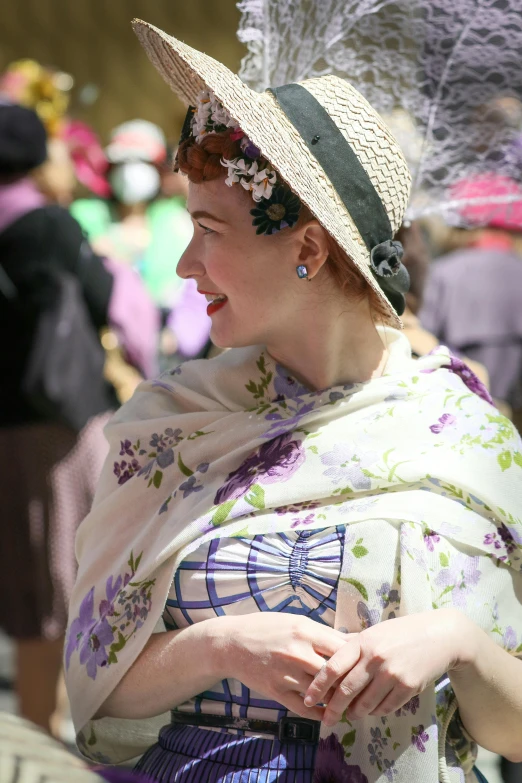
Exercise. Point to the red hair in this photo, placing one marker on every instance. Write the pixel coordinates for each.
(201, 161)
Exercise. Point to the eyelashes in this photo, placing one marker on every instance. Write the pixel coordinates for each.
(205, 229)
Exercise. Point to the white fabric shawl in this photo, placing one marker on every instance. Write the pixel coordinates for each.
(424, 472)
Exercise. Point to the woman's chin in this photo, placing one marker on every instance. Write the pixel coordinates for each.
(226, 339)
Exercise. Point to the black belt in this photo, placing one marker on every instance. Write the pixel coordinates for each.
(286, 729)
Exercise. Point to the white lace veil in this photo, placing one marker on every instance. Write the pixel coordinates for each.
(445, 74)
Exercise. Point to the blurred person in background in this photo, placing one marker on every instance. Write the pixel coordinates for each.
(473, 296)
(144, 224)
(417, 262)
(49, 467)
(76, 161)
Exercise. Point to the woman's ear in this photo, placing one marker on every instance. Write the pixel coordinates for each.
(313, 251)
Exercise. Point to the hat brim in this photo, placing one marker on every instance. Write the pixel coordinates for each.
(188, 71)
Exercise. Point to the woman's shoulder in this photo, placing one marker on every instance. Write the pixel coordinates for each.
(199, 385)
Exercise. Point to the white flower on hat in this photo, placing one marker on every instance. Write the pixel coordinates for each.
(202, 115)
(263, 183)
(209, 114)
(237, 170)
(232, 178)
(260, 182)
(233, 175)
(220, 116)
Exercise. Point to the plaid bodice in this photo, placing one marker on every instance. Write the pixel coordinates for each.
(295, 572)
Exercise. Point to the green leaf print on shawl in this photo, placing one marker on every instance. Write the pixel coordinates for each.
(409, 463)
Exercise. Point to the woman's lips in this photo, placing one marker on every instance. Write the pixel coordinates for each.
(216, 303)
(213, 307)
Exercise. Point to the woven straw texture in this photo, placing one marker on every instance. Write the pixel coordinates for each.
(188, 71)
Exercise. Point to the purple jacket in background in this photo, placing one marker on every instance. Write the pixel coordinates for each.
(17, 199)
(189, 321)
(134, 317)
(473, 304)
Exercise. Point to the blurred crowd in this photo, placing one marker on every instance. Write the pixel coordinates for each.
(90, 304)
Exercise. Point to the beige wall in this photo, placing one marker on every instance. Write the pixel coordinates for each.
(93, 41)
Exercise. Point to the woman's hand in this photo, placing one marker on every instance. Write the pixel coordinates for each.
(277, 654)
(380, 669)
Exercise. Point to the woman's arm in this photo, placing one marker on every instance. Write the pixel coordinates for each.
(173, 667)
(273, 653)
(380, 669)
(488, 686)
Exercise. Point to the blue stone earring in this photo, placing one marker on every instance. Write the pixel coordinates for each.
(302, 272)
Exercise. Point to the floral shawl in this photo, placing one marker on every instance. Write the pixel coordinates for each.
(418, 465)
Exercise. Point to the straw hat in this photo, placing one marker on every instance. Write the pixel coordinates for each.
(262, 118)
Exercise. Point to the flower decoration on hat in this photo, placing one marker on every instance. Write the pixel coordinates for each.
(278, 206)
(259, 181)
(386, 257)
(279, 211)
(210, 116)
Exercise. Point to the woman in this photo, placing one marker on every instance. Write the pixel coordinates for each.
(49, 470)
(483, 265)
(261, 512)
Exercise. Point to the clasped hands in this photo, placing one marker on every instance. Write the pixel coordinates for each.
(378, 670)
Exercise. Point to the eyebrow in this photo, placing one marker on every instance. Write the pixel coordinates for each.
(201, 214)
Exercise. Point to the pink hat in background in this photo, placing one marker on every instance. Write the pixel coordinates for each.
(490, 200)
(137, 140)
(89, 159)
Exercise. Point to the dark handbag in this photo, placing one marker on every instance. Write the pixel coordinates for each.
(63, 377)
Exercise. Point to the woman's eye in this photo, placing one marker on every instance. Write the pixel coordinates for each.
(205, 229)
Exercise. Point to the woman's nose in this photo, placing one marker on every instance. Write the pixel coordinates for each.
(188, 265)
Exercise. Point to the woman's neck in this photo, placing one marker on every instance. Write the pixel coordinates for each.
(331, 347)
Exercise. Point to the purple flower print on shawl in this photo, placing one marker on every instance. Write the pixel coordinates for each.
(348, 467)
(274, 461)
(286, 386)
(430, 539)
(387, 595)
(129, 465)
(502, 539)
(460, 575)
(461, 369)
(99, 637)
(368, 617)
(296, 508)
(90, 636)
(446, 420)
(411, 706)
(473, 383)
(281, 425)
(330, 766)
(419, 737)
(509, 639)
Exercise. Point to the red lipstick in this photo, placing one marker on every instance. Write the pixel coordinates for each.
(214, 306)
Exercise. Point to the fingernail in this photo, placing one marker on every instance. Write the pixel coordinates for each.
(309, 702)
